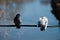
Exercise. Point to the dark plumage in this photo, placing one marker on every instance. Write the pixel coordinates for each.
(17, 21)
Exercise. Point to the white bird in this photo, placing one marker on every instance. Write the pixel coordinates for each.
(17, 21)
(43, 23)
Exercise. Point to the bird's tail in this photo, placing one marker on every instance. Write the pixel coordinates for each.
(42, 28)
(18, 26)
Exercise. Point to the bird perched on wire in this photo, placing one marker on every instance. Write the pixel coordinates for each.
(17, 21)
(43, 23)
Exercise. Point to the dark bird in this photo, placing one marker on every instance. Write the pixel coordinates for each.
(17, 21)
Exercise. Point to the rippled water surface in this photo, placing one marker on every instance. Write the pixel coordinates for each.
(30, 13)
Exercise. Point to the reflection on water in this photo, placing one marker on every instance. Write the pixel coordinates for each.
(30, 13)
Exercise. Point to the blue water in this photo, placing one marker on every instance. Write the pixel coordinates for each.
(30, 14)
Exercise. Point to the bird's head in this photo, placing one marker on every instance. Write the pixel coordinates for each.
(18, 15)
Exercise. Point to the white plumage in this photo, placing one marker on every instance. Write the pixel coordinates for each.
(43, 23)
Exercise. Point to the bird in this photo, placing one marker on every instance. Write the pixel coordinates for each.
(17, 21)
(43, 23)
